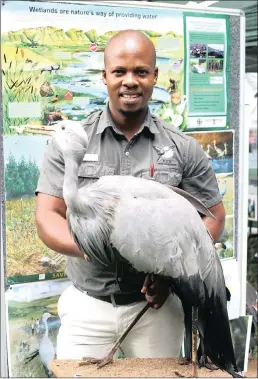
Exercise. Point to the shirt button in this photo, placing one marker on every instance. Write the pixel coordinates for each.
(127, 153)
(119, 279)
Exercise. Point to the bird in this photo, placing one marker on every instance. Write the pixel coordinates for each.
(208, 151)
(19, 129)
(51, 68)
(125, 216)
(54, 99)
(222, 186)
(220, 153)
(46, 350)
(220, 245)
(225, 148)
(164, 152)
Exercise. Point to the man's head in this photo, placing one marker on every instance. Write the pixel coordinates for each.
(130, 72)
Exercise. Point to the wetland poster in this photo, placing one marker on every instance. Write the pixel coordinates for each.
(52, 60)
(32, 326)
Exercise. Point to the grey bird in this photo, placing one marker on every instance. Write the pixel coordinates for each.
(46, 350)
(157, 230)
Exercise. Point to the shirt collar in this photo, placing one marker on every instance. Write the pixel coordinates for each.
(106, 121)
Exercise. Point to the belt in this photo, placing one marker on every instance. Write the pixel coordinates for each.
(121, 299)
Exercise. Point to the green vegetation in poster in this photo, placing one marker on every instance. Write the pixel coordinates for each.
(20, 177)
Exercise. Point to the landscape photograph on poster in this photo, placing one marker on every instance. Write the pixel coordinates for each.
(26, 255)
(225, 244)
(226, 189)
(32, 326)
(51, 73)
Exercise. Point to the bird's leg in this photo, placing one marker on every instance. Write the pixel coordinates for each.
(109, 358)
(203, 360)
(187, 359)
(194, 339)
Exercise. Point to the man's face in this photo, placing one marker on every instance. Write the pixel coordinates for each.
(130, 75)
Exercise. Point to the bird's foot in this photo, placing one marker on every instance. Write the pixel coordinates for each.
(207, 363)
(183, 361)
(100, 362)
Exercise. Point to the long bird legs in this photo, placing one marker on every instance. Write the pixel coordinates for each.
(194, 341)
(109, 358)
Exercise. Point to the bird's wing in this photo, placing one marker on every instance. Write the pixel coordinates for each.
(46, 352)
(158, 235)
(148, 189)
(199, 206)
(168, 237)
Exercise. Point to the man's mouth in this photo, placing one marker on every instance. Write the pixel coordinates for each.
(130, 98)
(130, 95)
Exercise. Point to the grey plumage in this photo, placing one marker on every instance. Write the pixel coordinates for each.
(158, 231)
(46, 350)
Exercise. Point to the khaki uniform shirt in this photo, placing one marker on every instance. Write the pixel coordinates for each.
(177, 158)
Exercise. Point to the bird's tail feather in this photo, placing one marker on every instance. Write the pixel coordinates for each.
(214, 329)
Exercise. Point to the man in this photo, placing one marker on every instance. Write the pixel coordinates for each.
(124, 139)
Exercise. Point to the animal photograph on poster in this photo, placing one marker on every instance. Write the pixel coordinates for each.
(25, 252)
(32, 326)
(218, 147)
(52, 73)
(226, 189)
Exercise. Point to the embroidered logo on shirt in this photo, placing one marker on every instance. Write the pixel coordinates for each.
(164, 153)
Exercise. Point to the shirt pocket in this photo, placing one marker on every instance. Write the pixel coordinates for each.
(171, 178)
(90, 172)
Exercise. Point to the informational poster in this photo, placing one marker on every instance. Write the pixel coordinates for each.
(251, 124)
(206, 71)
(52, 60)
(28, 259)
(32, 325)
(218, 147)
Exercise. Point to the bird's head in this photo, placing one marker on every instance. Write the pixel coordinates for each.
(71, 139)
(46, 316)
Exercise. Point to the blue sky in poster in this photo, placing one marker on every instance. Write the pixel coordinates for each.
(27, 146)
(16, 15)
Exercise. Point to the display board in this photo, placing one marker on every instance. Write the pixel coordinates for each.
(251, 124)
(51, 59)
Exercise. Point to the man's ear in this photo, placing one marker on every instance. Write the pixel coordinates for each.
(156, 74)
(104, 77)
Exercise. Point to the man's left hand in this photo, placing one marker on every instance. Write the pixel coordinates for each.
(156, 289)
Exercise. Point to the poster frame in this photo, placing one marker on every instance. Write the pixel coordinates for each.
(240, 213)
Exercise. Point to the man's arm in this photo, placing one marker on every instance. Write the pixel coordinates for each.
(52, 226)
(215, 227)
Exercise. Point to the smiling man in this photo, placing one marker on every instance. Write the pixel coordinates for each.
(124, 139)
(130, 74)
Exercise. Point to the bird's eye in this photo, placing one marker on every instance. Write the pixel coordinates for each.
(63, 127)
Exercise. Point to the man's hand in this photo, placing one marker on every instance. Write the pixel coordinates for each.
(156, 289)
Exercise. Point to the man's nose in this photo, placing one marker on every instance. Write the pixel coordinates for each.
(130, 80)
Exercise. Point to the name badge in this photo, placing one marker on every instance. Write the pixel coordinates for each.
(91, 158)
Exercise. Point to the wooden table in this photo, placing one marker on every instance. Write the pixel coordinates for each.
(138, 368)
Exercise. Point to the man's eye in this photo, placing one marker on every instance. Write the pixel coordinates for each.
(118, 72)
(142, 72)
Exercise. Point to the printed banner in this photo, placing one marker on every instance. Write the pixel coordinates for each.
(206, 51)
(32, 327)
(251, 123)
(52, 73)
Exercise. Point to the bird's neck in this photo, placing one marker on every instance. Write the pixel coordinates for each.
(70, 187)
(46, 329)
